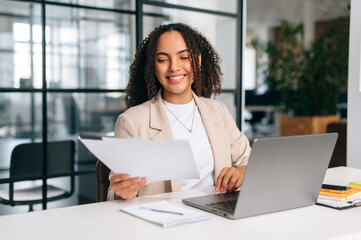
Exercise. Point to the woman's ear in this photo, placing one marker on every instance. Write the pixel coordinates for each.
(200, 61)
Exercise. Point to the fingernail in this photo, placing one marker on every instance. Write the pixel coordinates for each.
(217, 189)
(222, 189)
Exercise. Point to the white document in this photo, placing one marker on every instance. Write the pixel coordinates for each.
(155, 160)
(160, 213)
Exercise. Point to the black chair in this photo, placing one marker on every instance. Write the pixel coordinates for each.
(102, 182)
(26, 165)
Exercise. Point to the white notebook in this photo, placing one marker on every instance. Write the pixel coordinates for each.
(154, 213)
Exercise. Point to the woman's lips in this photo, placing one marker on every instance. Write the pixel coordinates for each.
(176, 79)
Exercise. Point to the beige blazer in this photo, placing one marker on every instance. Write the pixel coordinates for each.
(229, 146)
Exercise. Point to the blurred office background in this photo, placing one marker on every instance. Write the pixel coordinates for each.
(64, 66)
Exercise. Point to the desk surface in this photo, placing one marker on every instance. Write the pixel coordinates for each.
(105, 221)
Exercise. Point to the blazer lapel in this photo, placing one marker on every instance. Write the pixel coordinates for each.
(158, 120)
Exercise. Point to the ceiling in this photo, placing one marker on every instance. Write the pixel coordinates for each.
(268, 13)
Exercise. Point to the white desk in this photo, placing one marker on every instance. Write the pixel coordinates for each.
(105, 221)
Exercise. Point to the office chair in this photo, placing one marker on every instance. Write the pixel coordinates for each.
(102, 181)
(26, 165)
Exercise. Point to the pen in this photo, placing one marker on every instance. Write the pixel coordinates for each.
(159, 210)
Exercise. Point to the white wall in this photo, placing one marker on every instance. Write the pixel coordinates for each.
(354, 89)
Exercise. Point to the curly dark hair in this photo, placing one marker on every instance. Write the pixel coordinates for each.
(143, 83)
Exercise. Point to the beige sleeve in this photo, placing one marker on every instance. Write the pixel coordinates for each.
(240, 148)
(123, 129)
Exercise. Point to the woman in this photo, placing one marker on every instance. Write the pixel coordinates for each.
(173, 76)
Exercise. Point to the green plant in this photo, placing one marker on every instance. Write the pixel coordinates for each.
(308, 81)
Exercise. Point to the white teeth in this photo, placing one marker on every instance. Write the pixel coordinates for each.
(175, 78)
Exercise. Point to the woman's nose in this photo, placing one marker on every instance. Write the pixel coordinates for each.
(173, 65)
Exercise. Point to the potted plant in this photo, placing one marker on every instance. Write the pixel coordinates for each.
(307, 80)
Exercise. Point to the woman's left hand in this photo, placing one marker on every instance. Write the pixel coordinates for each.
(230, 179)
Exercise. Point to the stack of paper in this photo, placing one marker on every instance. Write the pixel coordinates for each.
(166, 214)
(339, 198)
(355, 184)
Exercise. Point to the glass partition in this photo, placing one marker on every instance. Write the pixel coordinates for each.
(20, 45)
(71, 114)
(229, 6)
(20, 122)
(88, 49)
(111, 4)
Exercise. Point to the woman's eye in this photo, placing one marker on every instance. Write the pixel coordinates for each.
(161, 60)
(185, 58)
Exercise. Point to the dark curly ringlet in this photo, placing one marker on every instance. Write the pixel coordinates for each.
(143, 83)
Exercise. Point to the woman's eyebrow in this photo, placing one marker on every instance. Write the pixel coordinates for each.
(182, 51)
(166, 54)
(161, 53)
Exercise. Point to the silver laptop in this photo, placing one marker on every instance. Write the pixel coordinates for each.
(282, 173)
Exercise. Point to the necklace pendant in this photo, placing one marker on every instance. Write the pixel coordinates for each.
(194, 110)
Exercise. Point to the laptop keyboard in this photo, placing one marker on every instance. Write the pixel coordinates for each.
(226, 206)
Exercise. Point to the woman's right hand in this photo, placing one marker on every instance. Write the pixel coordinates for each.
(125, 187)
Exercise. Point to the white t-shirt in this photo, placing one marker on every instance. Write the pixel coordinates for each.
(198, 140)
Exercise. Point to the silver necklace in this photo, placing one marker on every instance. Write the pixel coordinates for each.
(194, 110)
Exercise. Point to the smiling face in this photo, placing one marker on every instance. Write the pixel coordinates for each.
(173, 68)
